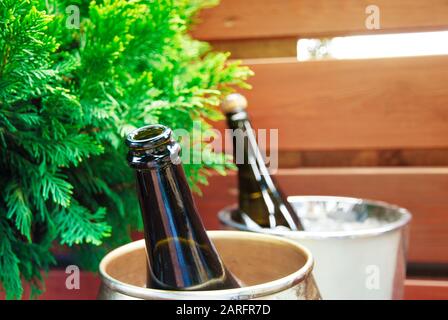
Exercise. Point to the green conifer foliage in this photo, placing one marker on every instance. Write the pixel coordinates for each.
(68, 95)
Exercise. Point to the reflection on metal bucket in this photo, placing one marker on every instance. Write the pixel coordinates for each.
(270, 267)
(359, 245)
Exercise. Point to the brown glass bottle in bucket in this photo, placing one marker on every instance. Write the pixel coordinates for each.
(180, 254)
(261, 202)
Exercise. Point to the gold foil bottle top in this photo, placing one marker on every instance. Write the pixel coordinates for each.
(233, 103)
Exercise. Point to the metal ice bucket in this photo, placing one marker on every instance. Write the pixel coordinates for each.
(269, 266)
(359, 245)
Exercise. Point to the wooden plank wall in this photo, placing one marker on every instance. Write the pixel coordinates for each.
(238, 26)
(373, 128)
(249, 19)
(352, 104)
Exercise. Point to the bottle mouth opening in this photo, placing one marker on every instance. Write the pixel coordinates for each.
(149, 136)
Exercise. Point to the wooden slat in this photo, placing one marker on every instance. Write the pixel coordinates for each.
(398, 103)
(345, 158)
(422, 190)
(237, 19)
(426, 289)
(254, 48)
(364, 158)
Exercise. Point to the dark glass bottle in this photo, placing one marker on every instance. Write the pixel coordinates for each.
(261, 202)
(180, 254)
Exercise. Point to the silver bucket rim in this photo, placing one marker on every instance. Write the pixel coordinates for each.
(249, 292)
(404, 219)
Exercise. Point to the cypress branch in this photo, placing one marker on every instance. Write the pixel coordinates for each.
(68, 96)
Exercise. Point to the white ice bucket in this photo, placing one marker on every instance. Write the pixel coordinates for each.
(359, 245)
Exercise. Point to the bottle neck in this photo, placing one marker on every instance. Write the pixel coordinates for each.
(245, 147)
(154, 157)
(251, 165)
(260, 199)
(180, 254)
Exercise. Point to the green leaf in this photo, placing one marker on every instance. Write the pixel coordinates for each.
(9, 265)
(68, 97)
(18, 209)
(76, 224)
(56, 186)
